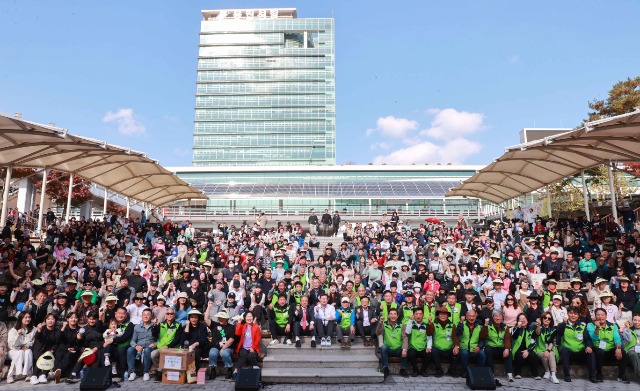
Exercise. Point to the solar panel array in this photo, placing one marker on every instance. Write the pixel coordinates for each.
(398, 189)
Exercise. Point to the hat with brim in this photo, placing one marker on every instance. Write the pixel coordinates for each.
(474, 256)
(46, 361)
(498, 281)
(160, 297)
(194, 312)
(443, 310)
(87, 294)
(534, 296)
(557, 297)
(183, 295)
(223, 315)
(624, 278)
(600, 280)
(552, 281)
(575, 281)
(495, 256)
(606, 294)
(111, 298)
(61, 294)
(88, 356)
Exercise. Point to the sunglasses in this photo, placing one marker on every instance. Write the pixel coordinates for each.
(546, 318)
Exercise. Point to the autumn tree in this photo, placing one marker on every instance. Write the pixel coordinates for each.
(58, 189)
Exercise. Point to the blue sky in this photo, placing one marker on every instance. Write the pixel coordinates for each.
(416, 82)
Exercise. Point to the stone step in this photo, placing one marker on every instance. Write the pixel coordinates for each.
(289, 350)
(336, 360)
(321, 375)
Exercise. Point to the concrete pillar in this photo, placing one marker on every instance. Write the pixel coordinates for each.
(86, 210)
(612, 189)
(104, 204)
(25, 195)
(549, 201)
(586, 199)
(5, 197)
(68, 215)
(43, 190)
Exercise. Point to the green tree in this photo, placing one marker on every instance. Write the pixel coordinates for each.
(624, 97)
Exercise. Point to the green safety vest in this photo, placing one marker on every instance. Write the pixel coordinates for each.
(455, 312)
(358, 301)
(495, 338)
(634, 340)
(385, 309)
(282, 316)
(524, 338)
(418, 336)
(407, 311)
(122, 328)
(430, 311)
(392, 336)
(543, 340)
(570, 338)
(297, 296)
(442, 337)
(469, 340)
(546, 298)
(167, 333)
(605, 334)
(274, 298)
(345, 321)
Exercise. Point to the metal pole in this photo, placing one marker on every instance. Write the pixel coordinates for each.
(586, 199)
(444, 206)
(5, 197)
(104, 204)
(612, 189)
(67, 217)
(43, 190)
(128, 207)
(549, 201)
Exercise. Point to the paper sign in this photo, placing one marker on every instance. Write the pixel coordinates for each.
(173, 376)
(172, 362)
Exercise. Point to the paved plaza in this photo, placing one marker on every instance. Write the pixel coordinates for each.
(395, 383)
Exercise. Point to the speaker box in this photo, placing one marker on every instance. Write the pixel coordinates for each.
(248, 379)
(96, 379)
(480, 378)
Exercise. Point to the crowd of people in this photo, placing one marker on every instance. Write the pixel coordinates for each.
(117, 291)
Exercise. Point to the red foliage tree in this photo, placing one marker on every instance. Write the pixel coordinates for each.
(58, 189)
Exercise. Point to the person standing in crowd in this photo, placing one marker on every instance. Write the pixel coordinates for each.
(313, 223)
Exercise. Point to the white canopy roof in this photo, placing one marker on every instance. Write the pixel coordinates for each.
(130, 173)
(530, 166)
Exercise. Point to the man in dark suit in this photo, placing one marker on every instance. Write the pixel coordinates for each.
(304, 322)
(366, 321)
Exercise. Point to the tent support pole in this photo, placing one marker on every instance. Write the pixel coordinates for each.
(43, 190)
(586, 199)
(68, 212)
(549, 202)
(612, 189)
(5, 197)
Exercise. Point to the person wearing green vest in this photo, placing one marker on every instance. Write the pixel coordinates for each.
(547, 294)
(346, 323)
(445, 342)
(407, 308)
(545, 349)
(455, 309)
(118, 346)
(281, 321)
(167, 333)
(387, 304)
(574, 344)
(471, 345)
(417, 343)
(523, 344)
(607, 345)
(497, 340)
(430, 306)
(631, 339)
(294, 297)
(391, 331)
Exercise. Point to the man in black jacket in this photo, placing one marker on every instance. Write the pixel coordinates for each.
(304, 322)
(313, 223)
(326, 221)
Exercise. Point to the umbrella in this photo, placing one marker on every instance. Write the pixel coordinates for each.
(433, 220)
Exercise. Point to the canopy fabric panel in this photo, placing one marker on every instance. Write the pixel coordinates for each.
(130, 173)
(528, 167)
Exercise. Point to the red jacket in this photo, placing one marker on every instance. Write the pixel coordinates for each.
(256, 335)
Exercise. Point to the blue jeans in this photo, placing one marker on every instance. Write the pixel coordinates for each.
(465, 355)
(146, 358)
(227, 360)
(385, 352)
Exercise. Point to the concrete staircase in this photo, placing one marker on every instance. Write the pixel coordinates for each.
(324, 365)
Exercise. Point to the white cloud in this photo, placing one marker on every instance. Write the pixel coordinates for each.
(380, 145)
(128, 122)
(393, 127)
(451, 123)
(453, 151)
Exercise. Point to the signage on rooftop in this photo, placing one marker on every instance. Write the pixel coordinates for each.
(247, 14)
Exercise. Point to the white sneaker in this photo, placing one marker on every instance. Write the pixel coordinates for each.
(518, 377)
(145, 377)
(510, 377)
(132, 376)
(546, 375)
(328, 341)
(42, 379)
(274, 342)
(554, 379)
(288, 342)
(10, 379)
(34, 380)
(323, 341)
(114, 370)
(107, 362)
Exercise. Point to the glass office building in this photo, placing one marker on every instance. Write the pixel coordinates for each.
(265, 90)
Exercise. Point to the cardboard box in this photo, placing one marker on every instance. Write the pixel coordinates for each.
(176, 359)
(173, 377)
